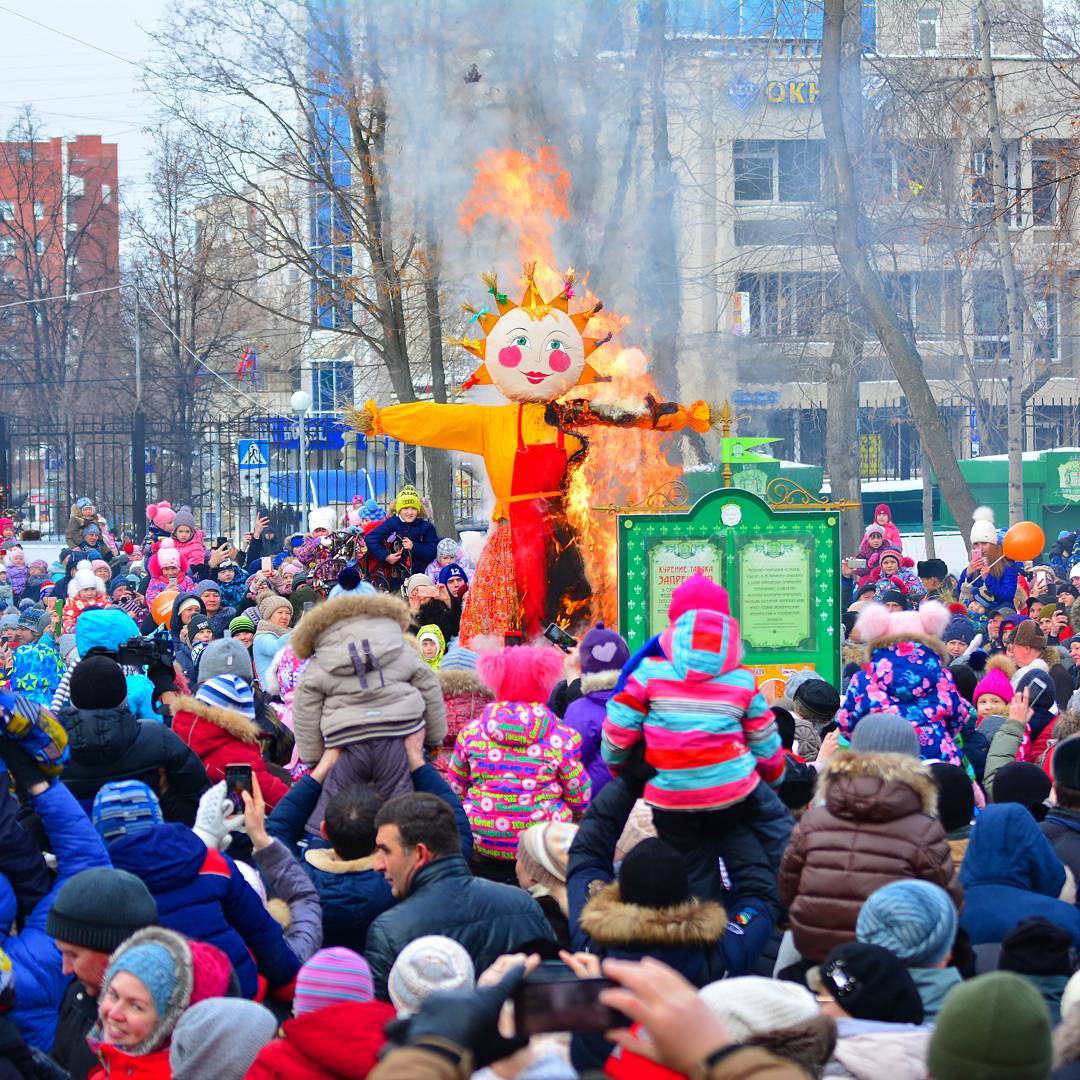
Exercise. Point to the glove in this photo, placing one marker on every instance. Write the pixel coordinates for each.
(636, 772)
(163, 677)
(466, 1018)
(217, 818)
(22, 767)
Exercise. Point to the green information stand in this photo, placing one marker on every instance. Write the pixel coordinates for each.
(781, 569)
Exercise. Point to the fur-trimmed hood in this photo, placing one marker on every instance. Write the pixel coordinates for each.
(184, 981)
(599, 681)
(609, 921)
(326, 860)
(456, 682)
(232, 723)
(353, 606)
(877, 787)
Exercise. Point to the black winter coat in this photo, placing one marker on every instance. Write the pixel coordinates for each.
(70, 1050)
(110, 744)
(1062, 828)
(488, 919)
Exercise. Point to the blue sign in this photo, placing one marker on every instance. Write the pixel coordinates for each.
(760, 398)
(253, 453)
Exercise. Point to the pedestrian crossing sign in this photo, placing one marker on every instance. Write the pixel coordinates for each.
(253, 453)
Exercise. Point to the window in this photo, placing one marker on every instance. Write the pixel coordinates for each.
(7, 247)
(780, 305)
(982, 183)
(26, 155)
(7, 211)
(1043, 308)
(331, 385)
(39, 245)
(1046, 172)
(927, 22)
(785, 170)
(921, 298)
(39, 211)
(991, 318)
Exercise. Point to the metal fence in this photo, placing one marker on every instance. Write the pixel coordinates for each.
(226, 470)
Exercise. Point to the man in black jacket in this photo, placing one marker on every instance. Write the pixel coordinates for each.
(108, 743)
(418, 851)
(1061, 826)
(93, 913)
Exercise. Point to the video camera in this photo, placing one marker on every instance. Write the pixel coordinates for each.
(145, 651)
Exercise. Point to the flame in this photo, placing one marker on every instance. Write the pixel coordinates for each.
(529, 196)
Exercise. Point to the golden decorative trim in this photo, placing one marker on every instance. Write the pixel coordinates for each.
(783, 493)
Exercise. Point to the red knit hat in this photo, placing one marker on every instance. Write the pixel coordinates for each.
(698, 593)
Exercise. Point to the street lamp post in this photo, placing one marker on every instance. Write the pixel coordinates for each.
(300, 403)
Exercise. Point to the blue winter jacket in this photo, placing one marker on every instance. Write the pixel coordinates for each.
(992, 591)
(353, 894)
(202, 894)
(109, 628)
(1009, 873)
(421, 532)
(40, 983)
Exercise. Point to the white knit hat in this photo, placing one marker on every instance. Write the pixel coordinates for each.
(426, 965)
(322, 517)
(753, 1005)
(84, 578)
(983, 531)
(1070, 996)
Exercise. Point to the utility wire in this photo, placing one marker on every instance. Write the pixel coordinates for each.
(70, 37)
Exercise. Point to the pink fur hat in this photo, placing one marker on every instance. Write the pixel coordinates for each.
(167, 554)
(521, 672)
(698, 593)
(161, 514)
(877, 621)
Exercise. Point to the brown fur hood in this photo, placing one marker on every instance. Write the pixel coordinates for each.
(326, 860)
(240, 727)
(609, 921)
(457, 682)
(890, 771)
(599, 680)
(305, 637)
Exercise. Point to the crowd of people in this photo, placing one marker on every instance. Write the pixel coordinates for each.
(264, 815)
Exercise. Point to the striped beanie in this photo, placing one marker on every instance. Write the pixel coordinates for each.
(331, 977)
(228, 692)
(458, 658)
(122, 807)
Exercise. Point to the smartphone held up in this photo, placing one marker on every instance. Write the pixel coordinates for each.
(237, 781)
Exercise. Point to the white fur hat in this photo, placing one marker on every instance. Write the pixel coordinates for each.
(983, 531)
(323, 517)
(752, 1005)
(84, 578)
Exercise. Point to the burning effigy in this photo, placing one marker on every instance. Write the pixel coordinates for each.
(535, 353)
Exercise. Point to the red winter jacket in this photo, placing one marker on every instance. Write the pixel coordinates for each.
(115, 1063)
(223, 737)
(338, 1041)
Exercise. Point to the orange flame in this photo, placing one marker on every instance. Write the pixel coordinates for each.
(529, 196)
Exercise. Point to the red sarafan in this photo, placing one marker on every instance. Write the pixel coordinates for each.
(521, 673)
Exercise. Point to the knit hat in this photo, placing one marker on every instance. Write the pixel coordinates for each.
(227, 657)
(99, 908)
(371, 511)
(752, 1005)
(121, 583)
(184, 516)
(870, 983)
(795, 681)
(698, 593)
(168, 554)
(446, 548)
(983, 531)
(1036, 946)
(152, 964)
(602, 650)
(330, 977)
(931, 568)
(122, 807)
(1070, 995)
(959, 629)
(322, 517)
(228, 692)
(408, 497)
(885, 733)
(458, 658)
(544, 851)
(996, 1027)
(186, 602)
(956, 797)
(414, 581)
(653, 875)
(1040, 688)
(91, 528)
(97, 683)
(197, 623)
(1064, 764)
(238, 626)
(84, 503)
(84, 578)
(425, 966)
(995, 681)
(1025, 783)
(1028, 634)
(915, 920)
(31, 618)
(269, 604)
(894, 596)
(816, 700)
(454, 570)
(209, 585)
(219, 1037)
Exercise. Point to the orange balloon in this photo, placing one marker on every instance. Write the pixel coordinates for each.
(162, 605)
(1025, 540)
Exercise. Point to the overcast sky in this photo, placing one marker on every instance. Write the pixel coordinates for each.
(76, 89)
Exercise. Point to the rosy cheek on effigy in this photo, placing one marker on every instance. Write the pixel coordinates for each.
(559, 360)
(510, 356)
